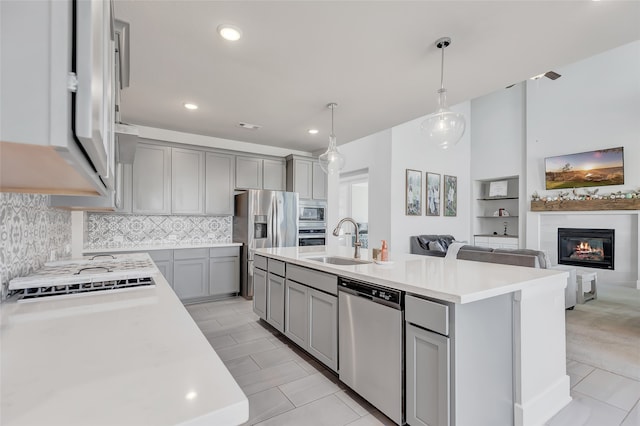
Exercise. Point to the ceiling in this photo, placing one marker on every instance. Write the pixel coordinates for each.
(376, 59)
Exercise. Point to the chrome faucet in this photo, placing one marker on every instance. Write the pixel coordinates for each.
(357, 244)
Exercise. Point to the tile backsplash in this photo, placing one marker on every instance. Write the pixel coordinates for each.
(104, 230)
(31, 233)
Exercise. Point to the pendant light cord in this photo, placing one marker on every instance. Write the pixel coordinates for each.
(442, 68)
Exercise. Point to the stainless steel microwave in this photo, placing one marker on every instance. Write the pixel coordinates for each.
(311, 211)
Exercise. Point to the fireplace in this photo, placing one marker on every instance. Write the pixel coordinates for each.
(590, 248)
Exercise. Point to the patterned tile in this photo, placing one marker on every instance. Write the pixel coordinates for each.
(30, 231)
(107, 230)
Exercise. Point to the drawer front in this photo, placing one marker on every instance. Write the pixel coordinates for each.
(315, 279)
(190, 253)
(161, 255)
(481, 240)
(276, 267)
(224, 252)
(430, 315)
(260, 262)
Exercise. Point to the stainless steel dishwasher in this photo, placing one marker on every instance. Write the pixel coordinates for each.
(370, 319)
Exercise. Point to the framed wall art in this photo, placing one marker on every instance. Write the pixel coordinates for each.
(450, 195)
(413, 192)
(433, 194)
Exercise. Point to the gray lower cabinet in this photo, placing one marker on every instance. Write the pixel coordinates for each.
(275, 301)
(311, 315)
(260, 292)
(296, 326)
(224, 270)
(164, 261)
(323, 328)
(191, 273)
(427, 387)
(152, 179)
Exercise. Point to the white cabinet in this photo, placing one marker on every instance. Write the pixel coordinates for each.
(305, 176)
(496, 242)
(191, 273)
(187, 181)
(260, 289)
(152, 179)
(260, 173)
(71, 150)
(220, 173)
(224, 271)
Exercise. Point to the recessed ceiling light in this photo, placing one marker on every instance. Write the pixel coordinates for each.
(313, 131)
(249, 126)
(190, 106)
(229, 32)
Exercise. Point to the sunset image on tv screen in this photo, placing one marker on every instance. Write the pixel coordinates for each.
(593, 168)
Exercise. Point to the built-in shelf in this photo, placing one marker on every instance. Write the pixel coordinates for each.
(488, 204)
(497, 198)
(496, 217)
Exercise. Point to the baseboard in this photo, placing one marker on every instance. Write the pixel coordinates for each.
(546, 405)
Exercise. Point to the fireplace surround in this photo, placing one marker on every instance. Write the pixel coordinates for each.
(586, 247)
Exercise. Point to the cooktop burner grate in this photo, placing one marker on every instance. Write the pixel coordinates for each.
(35, 293)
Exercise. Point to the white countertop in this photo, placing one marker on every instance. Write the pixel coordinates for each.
(150, 247)
(457, 281)
(134, 357)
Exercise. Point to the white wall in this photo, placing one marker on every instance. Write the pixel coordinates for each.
(373, 153)
(594, 105)
(498, 133)
(498, 146)
(412, 151)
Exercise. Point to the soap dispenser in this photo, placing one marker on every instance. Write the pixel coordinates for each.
(384, 252)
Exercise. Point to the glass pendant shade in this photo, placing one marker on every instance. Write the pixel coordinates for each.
(331, 161)
(444, 128)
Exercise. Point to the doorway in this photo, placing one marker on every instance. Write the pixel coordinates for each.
(354, 202)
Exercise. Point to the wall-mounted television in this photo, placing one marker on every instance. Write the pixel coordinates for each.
(593, 168)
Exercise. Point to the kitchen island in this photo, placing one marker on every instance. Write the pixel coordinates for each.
(130, 357)
(504, 332)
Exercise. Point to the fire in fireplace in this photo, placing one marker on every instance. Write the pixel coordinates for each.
(591, 248)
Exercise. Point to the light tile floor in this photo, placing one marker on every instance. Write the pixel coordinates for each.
(285, 386)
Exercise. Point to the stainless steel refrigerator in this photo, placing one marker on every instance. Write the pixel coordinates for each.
(263, 219)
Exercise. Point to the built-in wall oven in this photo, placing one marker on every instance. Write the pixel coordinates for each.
(312, 227)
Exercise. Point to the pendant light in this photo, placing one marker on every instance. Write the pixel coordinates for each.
(332, 161)
(444, 127)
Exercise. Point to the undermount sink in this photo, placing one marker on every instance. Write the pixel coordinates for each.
(335, 260)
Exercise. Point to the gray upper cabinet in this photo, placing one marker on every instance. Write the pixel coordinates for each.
(248, 172)
(305, 176)
(152, 179)
(187, 181)
(220, 172)
(273, 175)
(319, 191)
(260, 173)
